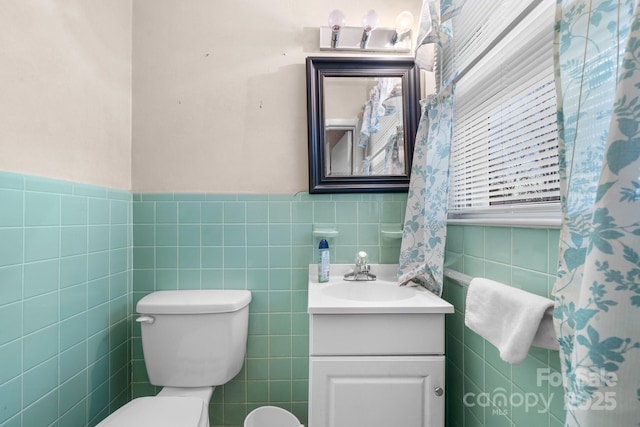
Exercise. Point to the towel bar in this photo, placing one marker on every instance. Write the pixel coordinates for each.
(461, 278)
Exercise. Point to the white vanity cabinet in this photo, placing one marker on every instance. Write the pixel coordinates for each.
(376, 352)
(370, 382)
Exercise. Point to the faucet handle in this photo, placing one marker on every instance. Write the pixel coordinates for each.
(361, 258)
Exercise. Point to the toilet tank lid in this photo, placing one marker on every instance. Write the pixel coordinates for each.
(194, 301)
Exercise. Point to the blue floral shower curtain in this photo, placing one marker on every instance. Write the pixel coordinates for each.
(597, 313)
(425, 224)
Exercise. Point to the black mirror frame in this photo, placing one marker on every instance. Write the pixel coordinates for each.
(323, 66)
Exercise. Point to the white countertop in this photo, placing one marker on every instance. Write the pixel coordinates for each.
(325, 298)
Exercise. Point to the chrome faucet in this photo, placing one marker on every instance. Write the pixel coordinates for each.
(362, 271)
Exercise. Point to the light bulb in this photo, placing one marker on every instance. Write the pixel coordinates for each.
(370, 21)
(404, 22)
(336, 20)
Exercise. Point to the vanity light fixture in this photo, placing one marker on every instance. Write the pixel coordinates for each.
(369, 23)
(336, 22)
(368, 38)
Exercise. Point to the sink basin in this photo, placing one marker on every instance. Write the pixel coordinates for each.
(369, 291)
(338, 296)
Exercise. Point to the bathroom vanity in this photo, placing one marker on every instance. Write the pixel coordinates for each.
(376, 352)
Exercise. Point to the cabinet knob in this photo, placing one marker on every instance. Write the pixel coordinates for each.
(438, 391)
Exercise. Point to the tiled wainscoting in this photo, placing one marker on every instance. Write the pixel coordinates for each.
(483, 390)
(65, 301)
(263, 243)
(75, 258)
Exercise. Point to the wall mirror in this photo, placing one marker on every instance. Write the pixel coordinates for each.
(362, 118)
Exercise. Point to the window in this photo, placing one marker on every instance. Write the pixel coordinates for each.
(504, 158)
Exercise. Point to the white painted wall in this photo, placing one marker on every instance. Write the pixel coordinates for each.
(65, 85)
(219, 90)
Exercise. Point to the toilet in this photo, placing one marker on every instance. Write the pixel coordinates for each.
(192, 340)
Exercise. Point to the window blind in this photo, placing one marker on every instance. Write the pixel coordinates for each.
(504, 154)
(478, 25)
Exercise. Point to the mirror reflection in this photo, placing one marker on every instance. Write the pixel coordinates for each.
(363, 129)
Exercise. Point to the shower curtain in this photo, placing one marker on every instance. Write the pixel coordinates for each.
(425, 224)
(597, 291)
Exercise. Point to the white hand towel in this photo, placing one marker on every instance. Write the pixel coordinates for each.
(509, 318)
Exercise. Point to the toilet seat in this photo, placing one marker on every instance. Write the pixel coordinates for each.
(158, 411)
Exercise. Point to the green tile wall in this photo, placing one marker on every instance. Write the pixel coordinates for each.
(263, 243)
(75, 258)
(65, 301)
(525, 258)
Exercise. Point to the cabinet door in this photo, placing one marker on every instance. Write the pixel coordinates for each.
(383, 391)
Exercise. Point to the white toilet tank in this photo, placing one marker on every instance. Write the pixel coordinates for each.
(194, 338)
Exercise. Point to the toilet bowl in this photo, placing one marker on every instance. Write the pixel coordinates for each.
(192, 341)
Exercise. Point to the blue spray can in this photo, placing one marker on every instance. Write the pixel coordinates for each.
(323, 261)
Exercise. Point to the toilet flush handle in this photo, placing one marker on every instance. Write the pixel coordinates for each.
(146, 319)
